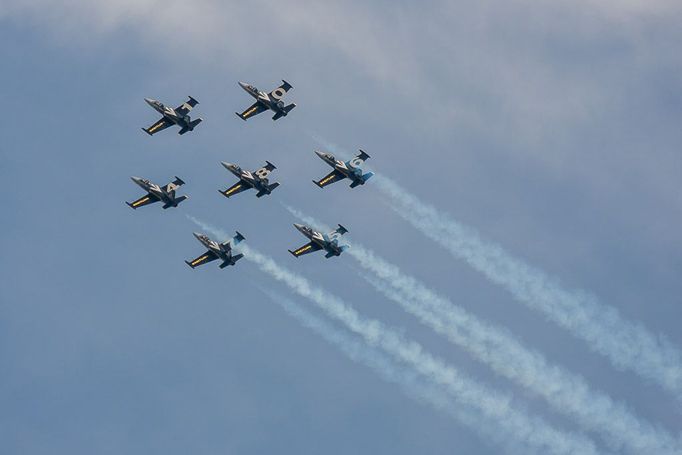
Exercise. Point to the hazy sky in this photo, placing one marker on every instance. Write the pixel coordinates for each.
(552, 128)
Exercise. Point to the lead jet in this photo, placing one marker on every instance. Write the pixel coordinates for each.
(318, 241)
(217, 251)
(342, 170)
(178, 116)
(264, 101)
(156, 193)
(257, 180)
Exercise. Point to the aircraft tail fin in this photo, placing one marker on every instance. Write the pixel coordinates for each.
(268, 190)
(238, 238)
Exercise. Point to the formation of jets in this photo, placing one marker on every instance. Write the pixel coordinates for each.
(257, 180)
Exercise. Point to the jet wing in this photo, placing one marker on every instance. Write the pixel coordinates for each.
(235, 189)
(158, 126)
(147, 199)
(332, 177)
(203, 259)
(187, 106)
(280, 91)
(305, 249)
(255, 109)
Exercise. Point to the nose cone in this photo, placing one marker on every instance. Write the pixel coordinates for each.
(227, 165)
(300, 227)
(197, 235)
(136, 179)
(150, 101)
(320, 154)
(244, 85)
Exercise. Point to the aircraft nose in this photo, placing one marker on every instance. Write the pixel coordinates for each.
(149, 100)
(320, 154)
(299, 226)
(197, 235)
(227, 165)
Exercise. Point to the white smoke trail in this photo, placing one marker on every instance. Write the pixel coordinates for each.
(628, 345)
(513, 423)
(566, 392)
(386, 368)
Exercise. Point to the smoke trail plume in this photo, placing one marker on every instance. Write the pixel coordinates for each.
(513, 423)
(628, 345)
(388, 370)
(566, 392)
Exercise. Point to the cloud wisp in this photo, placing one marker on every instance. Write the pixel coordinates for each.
(515, 424)
(566, 392)
(628, 345)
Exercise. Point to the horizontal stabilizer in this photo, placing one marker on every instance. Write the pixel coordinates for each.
(238, 238)
(175, 202)
(269, 189)
(361, 180)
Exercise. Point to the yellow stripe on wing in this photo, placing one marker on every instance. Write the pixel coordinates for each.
(302, 250)
(249, 112)
(156, 126)
(327, 179)
(141, 201)
(232, 190)
(199, 259)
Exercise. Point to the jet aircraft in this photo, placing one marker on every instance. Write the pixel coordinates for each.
(217, 251)
(178, 116)
(265, 101)
(349, 169)
(156, 193)
(257, 180)
(318, 241)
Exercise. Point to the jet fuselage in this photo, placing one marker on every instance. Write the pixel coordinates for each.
(169, 113)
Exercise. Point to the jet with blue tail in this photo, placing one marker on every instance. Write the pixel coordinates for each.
(350, 169)
(217, 251)
(156, 193)
(257, 180)
(319, 241)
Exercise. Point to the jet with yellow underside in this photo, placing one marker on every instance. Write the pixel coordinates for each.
(266, 101)
(319, 241)
(351, 169)
(178, 116)
(257, 180)
(156, 193)
(217, 250)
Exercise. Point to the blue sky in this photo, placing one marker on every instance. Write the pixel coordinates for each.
(552, 129)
